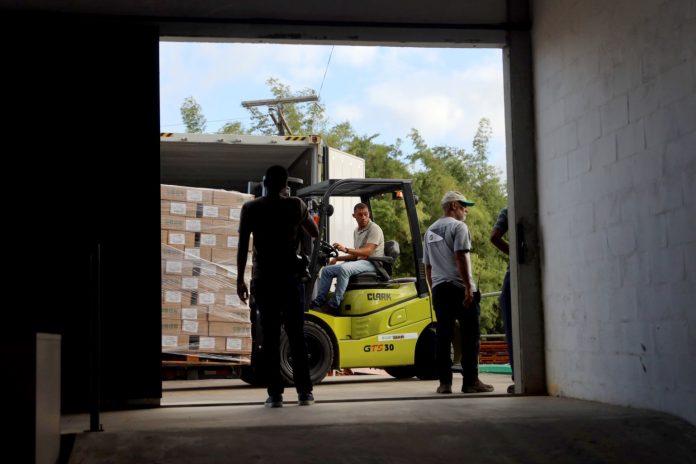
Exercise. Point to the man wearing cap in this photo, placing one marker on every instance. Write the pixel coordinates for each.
(448, 271)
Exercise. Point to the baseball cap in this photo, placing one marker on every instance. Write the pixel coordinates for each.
(456, 196)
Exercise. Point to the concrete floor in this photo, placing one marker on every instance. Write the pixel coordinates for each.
(376, 419)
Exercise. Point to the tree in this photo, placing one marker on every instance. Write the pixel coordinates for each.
(232, 128)
(192, 115)
(302, 118)
(451, 168)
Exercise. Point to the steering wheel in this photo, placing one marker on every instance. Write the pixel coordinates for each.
(328, 249)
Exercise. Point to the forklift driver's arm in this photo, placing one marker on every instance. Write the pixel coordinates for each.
(355, 253)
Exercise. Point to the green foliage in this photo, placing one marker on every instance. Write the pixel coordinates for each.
(451, 168)
(232, 128)
(302, 118)
(192, 115)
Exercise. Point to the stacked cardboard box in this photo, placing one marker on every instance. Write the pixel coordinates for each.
(201, 313)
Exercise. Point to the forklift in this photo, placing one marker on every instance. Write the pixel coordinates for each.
(383, 322)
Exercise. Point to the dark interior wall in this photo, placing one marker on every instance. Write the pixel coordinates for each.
(81, 99)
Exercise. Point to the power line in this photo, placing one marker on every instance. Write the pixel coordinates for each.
(325, 71)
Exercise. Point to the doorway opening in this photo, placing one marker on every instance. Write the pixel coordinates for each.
(436, 115)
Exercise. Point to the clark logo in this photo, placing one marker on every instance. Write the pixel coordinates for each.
(379, 297)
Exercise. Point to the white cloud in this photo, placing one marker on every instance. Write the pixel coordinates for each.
(347, 112)
(356, 56)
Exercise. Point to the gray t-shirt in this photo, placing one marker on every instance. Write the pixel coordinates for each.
(372, 233)
(445, 237)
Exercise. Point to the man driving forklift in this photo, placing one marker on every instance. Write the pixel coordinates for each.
(368, 241)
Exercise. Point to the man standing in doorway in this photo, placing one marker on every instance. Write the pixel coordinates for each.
(448, 271)
(499, 230)
(277, 222)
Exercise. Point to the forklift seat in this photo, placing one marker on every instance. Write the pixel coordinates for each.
(383, 265)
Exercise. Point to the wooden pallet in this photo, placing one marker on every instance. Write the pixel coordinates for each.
(493, 352)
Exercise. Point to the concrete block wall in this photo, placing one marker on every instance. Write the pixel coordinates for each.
(615, 96)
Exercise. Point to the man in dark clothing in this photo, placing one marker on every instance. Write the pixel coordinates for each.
(277, 222)
(499, 230)
(448, 270)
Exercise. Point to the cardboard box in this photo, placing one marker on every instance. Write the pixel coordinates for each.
(177, 208)
(183, 297)
(181, 238)
(209, 211)
(183, 327)
(221, 313)
(224, 256)
(216, 284)
(240, 345)
(171, 326)
(209, 240)
(177, 267)
(208, 344)
(230, 198)
(168, 222)
(171, 282)
(189, 283)
(230, 299)
(175, 342)
(234, 214)
(171, 311)
(169, 252)
(198, 254)
(194, 313)
(219, 226)
(186, 194)
(229, 329)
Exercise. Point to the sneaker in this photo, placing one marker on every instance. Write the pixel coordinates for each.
(274, 401)
(444, 388)
(478, 387)
(511, 389)
(316, 303)
(305, 399)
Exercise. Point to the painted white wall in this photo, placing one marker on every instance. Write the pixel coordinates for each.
(616, 138)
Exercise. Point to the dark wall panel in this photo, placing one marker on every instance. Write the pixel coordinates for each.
(83, 105)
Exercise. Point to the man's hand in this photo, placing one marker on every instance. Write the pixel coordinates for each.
(332, 261)
(242, 291)
(468, 297)
(340, 247)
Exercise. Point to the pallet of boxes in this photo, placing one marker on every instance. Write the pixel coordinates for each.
(203, 320)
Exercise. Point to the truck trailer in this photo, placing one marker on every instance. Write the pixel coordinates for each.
(238, 163)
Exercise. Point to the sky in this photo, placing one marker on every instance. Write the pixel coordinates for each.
(443, 93)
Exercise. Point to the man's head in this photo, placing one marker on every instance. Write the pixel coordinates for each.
(456, 205)
(276, 179)
(361, 213)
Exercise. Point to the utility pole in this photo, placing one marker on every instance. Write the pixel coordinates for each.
(275, 109)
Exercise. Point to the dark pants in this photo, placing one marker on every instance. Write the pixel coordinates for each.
(506, 310)
(448, 301)
(279, 301)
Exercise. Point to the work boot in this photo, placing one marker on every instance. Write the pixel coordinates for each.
(444, 388)
(274, 401)
(305, 399)
(478, 387)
